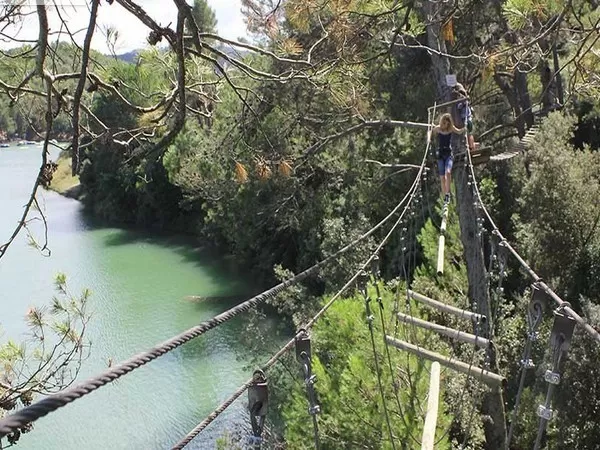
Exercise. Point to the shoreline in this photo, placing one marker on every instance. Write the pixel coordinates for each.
(63, 182)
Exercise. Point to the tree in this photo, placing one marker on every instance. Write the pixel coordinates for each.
(347, 388)
(204, 16)
(56, 348)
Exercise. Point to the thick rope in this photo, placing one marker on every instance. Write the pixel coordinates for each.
(217, 412)
(564, 306)
(53, 402)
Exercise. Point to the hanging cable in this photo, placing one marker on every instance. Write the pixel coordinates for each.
(565, 306)
(304, 355)
(53, 402)
(362, 286)
(395, 384)
(217, 412)
(560, 340)
(534, 319)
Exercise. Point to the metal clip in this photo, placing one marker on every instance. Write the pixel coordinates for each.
(313, 408)
(258, 404)
(562, 331)
(544, 413)
(375, 267)
(258, 394)
(552, 377)
(361, 282)
(303, 348)
(527, 363)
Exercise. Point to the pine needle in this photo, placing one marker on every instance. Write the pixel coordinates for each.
(241, 174)
(285, 168)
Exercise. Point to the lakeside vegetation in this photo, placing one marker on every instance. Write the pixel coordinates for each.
(265, 168)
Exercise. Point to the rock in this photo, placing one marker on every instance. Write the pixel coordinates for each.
(74, 192)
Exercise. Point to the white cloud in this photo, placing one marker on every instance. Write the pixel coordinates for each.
(132, 33)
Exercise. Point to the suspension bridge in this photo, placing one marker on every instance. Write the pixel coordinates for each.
(477, 333)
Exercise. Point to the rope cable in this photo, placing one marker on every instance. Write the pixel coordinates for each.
(212, 416)
(565, 306)
(53, 402)
(376, 360)
(390, 365)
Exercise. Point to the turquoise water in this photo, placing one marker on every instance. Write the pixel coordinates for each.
(139, 286)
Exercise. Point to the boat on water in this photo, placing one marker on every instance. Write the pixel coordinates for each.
(4, 145)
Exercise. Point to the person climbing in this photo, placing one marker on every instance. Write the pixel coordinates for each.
(465, 113)
(444, 131)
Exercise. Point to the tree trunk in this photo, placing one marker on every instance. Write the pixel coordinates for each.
(523, 96)
(510, 93)
(440, 64)
(558, 76)
(493, 403)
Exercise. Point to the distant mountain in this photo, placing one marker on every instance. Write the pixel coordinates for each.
(130, 57)
(238, 53)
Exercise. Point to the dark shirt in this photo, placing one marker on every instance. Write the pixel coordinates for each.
(445, 146)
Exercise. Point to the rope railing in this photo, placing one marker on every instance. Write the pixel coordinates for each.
(233, 397)
(53, 402)
(563, 305)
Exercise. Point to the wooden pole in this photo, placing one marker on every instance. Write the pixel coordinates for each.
(428, 440)
(491, 379)
(460, 313)
(446, 331)
(442, 241)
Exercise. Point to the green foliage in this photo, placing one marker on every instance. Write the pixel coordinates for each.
(51, 356)
(519, 13)
(351, 408)
(204, 16)
(561, 245)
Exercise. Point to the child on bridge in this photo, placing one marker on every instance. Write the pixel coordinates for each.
(444, 151)
(465, 112)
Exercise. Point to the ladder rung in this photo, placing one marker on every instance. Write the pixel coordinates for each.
(446, 331)
(447, 308)
(489, 378)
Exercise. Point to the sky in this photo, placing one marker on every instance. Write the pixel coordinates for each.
(132, 33)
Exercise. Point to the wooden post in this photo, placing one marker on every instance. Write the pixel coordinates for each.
(428, 440)
(491, 379)
(440, 259)
(442, 241)
(460, 313)
(446, 331)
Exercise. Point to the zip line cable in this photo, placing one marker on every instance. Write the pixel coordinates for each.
(395, 385)
(212, 416)
(564, 306)
(53, 402)
(370, 319)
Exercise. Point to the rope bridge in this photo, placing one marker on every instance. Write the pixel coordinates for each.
(257, 386)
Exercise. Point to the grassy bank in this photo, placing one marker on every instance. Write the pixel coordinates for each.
(62, 181)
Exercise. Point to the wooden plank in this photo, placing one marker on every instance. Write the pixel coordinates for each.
(442, 240)
(489, 378)
(428, 441)
(440, 258)
(481, 160)
(446, 331)
(440, 306)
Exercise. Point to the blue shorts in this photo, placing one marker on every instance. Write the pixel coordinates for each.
(445, 165)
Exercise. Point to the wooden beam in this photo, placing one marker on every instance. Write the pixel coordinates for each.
(489, 378)
(442, 240)
(461, 313)
(446, 331)
(428, 441)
